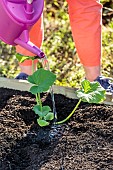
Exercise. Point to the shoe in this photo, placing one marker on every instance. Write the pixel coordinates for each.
(22, 76)
(105, 83)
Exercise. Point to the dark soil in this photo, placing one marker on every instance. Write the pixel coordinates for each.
(85, 142)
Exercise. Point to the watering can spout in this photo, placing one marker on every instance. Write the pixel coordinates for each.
(23, 41)
(30, 47)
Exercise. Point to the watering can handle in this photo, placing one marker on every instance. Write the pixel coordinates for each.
(29, 7)
(17, 1)
(20, 1)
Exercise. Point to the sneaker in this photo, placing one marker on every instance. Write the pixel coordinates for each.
(22, 76)
(105, 83)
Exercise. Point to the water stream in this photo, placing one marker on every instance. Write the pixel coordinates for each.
(56, 130)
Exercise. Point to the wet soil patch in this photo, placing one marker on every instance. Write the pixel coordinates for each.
(86, 142)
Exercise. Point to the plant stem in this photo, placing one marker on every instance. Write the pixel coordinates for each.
(60, 122)
(40, 102)
(37, 99)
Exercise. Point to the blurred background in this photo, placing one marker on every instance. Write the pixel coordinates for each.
(59, 47)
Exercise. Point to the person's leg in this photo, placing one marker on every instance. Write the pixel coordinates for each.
(85, 19)
(36, 37)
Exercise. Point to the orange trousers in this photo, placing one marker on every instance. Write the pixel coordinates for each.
(85, 20)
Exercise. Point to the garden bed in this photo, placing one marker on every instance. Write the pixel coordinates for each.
(85, 142)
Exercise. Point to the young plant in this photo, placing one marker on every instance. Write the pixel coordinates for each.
(42, 80)
(91, 92)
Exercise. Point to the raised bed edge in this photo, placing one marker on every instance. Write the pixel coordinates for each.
(23, 85)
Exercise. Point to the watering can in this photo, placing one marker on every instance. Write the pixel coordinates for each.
(16, 19)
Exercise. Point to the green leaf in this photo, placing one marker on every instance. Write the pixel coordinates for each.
(42, 122)
(22, 58)
(37, 110)
(86, 86)
(36, 89)
(91, 92)
(43, 79)
(45, 110)
(49, 116)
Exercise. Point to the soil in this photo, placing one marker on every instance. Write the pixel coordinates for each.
(85, 142)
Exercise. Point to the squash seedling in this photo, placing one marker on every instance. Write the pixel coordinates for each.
(91, 92)
(42, 80)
